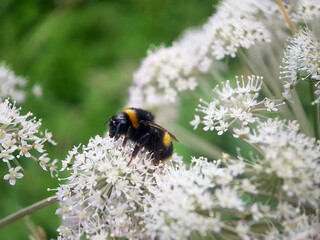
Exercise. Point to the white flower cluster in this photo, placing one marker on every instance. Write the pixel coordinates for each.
(301, 60)
(11, 85)
(169, 70)
(19, 138)
(304, 10)
(105, 198)
(297, 228)
(104, 195)
(291, 156)
(230, 104)
(166, 71)
(190, 202)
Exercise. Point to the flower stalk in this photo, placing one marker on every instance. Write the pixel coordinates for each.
(286, 16)
(314, 110)
(28, 210)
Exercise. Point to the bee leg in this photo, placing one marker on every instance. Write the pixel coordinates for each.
(144, 138)
(157, 156)
(134, 153)
(136, 149)
(116, 135)
(128, 134)
(124, 141)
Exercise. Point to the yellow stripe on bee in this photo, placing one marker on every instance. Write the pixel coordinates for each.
(132, 116)
(166, 139)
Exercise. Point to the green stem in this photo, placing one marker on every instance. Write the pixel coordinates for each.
(300, 113)
(314, 112)
(318, 119)
(28, 210)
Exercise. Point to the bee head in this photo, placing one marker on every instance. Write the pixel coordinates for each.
(117, 125)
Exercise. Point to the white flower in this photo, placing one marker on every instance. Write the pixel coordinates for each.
(270, 106)
(43, 161)
(192, 83)
(180, 202)
(240, 133)
(243, 229)
(237, 168)
(170, 94)
(104, 198)
(247, 117)
(305, 10)
(248, 186)
(24, 149)
(223, 127)
(53, 168)
(297, 228)
(13, 175)
(229, 198)
(208, 125)
(301, 60)
(195, 123)
(20, 136)
(230, 104)
(191, 200)
(48, 136)
(176, 67)
(292, 156)
(256, 212)
(103, 194)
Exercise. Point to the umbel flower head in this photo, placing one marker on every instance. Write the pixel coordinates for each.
(103, 195)
(301, 60)
(167, 71)
(232, 104)
(291, 156)
(205, 200)
(21, 139)
(295, 228)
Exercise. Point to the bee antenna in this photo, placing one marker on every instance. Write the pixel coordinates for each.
(107, 121)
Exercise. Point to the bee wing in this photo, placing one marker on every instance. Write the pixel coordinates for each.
(158, 127)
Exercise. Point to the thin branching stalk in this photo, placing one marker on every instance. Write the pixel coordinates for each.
(314, 111)
(318, 118)
(28, 210)
(300, 114)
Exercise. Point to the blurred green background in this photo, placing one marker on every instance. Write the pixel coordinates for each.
(83, 53)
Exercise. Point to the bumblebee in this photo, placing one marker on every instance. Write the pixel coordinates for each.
(138, 125)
